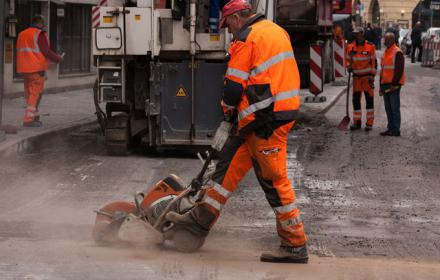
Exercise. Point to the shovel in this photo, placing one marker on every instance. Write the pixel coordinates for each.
(343, 125)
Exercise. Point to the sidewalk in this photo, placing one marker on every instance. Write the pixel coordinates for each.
(65, 110)
(332, 93)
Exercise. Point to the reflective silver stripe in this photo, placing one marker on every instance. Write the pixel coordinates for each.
(219, 188)
(32, 108)
(361, 58)
(272, 61)
(213, 203)
(266, 103)
(291, 222)
(285, 209)
(30, 114)
(36, 47)
(227, 106)
(390, 66)
(366, 70)
(237, 73)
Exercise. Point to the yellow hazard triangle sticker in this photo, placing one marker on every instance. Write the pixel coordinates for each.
(181, 92)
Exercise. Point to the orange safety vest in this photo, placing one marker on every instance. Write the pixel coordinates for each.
(388, 63)
(29, 56)
(264, 64)
(362, 58)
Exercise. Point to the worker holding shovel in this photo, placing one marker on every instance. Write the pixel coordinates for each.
(361, 62)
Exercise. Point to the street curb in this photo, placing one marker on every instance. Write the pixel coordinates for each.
(328, 106)
(21, 143)
(333, 102)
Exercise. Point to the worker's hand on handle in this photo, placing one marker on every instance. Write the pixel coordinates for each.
(221, 135)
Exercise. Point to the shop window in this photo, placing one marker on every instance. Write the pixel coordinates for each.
(74, 38)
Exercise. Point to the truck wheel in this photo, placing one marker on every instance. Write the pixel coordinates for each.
(117, 135)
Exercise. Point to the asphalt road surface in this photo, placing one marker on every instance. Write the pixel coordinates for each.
(371, 204)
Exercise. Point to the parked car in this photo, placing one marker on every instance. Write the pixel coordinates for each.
(405, 41)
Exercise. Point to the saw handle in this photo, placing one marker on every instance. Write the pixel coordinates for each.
(197, 182)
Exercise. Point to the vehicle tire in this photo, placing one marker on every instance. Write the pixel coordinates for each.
(117, 135)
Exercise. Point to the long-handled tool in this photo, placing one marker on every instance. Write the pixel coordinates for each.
(343, 125)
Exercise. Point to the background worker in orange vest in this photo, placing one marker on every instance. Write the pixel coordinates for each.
(261, 100)
(33, 53)
(392, 78)
(361, 61)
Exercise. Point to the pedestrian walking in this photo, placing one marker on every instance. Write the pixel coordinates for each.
(392, 78)
(369, 34)
(378, 37)
(262, 65)
(416, 42)
(33, 55)
(361, 61)
(395, 29)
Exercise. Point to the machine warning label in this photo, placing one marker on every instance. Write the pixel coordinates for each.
(181, 92)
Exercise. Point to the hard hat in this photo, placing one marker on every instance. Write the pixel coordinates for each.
(233, 7)
(358, 30)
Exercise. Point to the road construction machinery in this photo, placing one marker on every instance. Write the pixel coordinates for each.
(160, 65)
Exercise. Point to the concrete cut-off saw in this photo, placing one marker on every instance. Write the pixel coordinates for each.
(144, 220)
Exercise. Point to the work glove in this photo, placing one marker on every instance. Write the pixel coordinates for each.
(349, 70)
(371, 81)
(221, 135)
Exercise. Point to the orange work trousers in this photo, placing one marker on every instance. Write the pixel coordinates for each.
(268, 158)
(362, 84)
(33, 87)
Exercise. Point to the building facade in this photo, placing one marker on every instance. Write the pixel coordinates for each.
(385, 13)
(68, 29)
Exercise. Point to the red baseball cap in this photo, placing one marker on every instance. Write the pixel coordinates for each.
(232, 7)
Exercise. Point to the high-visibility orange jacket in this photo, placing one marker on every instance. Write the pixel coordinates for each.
(30, 59)
(262, 80)
(362, 59)
(388, 65)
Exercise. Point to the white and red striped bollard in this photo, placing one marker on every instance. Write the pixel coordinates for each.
(316, 82)
(95, 13)
(339, 58)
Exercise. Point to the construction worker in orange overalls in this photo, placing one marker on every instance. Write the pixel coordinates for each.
(361, 61)
(261, 102)
(33, 53)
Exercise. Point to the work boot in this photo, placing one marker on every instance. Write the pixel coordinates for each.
(187, 235)
(286, 254)
(355, 126)
(33, 124)
(368, 127)
(188, 222)
(390, 133)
